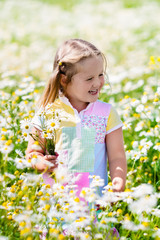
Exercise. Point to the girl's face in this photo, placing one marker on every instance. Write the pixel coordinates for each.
(85, 86)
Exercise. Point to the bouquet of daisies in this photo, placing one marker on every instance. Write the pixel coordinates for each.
(49, 120)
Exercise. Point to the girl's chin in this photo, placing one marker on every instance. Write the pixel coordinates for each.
(93, 100)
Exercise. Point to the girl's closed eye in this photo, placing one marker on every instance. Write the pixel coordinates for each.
(89, 79)
(101, 75)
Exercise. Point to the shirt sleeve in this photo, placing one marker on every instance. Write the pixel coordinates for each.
(114, 122)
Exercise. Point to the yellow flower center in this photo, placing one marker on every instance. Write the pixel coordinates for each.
(53, 124)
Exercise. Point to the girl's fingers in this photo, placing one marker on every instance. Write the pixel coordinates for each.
(51, 169)
(50, 157)
(42, 164)
(54, 164)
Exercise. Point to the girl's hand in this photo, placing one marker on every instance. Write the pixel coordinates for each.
(44, 162)
(118, 184)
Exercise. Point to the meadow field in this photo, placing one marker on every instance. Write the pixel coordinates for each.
(128, 33)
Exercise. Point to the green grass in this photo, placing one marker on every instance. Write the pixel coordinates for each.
(66, 5)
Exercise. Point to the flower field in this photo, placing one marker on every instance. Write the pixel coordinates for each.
(128, 32)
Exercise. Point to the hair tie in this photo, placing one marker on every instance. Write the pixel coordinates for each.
(61, 67)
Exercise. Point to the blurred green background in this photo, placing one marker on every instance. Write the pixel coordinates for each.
(127, 31)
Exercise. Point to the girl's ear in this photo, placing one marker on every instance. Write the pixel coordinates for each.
(63, 80)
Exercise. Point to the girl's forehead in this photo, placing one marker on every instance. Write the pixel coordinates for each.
(94, 63)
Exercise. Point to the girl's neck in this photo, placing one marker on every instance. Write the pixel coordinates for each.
(79, 107)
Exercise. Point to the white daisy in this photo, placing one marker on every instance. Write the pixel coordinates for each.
(36, 146)
(52, 124)
(2, 121)
(26, 125)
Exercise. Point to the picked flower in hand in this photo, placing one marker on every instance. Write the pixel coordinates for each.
(49, 123)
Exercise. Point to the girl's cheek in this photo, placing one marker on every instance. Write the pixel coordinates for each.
(102, 82)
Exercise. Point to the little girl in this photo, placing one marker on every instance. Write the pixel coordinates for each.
(92, 130)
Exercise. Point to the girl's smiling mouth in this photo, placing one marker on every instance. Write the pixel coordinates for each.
(93, 92)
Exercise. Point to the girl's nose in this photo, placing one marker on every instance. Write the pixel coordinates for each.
(96, 83)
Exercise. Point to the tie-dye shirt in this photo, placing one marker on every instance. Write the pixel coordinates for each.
(81, 137)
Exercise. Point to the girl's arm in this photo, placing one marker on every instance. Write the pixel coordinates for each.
(116, 159)
(41, 164)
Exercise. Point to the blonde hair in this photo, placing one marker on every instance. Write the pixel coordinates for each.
(67, 56)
